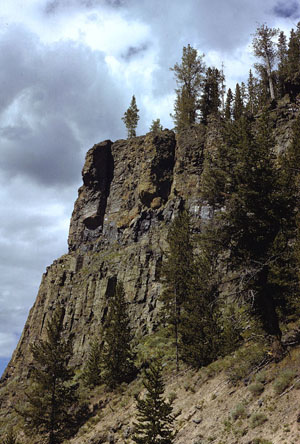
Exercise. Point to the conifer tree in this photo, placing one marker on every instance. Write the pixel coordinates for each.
(92, 369)
(131, 118)
(265, 48)
(238, 105)
(189, 78)
(200, 329)
(293, 58)
(156, 127)
(228, 105)
(210, 100)
(154, 417)
(252, 99)
(282, 63)
(253, 217)
(51, 394)
(176, 272)
(117, 355)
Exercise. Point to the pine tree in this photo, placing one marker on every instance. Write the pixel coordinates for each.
(200, 328)
(156, 126)
(252, 99)
(265, 49)
(176, 273)
(238, 105)
(189, 78)
(92, 369)
(51, 393)
(210, 100)
(154, 417)
(282, 63)
(253, 218)
(117, 355)
(228, 105)
(293, 59)
(131, 118)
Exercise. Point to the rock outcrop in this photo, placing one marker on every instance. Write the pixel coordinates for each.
(131, 191)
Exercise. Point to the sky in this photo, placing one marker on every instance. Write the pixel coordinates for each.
(68, 71)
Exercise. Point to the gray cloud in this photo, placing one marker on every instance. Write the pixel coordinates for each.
(63, 97)
(54, 6)
(287, 8)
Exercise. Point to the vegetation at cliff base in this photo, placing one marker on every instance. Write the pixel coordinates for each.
(47, 406)
(154, 414)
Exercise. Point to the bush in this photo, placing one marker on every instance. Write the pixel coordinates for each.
(172, 397)
(256, 388)
(261, 377)
(244, 361)
(257, 419)
(261, 441)
(283, 381)
(238, 412)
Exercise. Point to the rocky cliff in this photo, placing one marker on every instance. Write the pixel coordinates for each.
(131, 191)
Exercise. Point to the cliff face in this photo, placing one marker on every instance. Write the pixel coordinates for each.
(130, 192)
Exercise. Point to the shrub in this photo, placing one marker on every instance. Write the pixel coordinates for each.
(239, 412)
(244, 361)
(172, 397)
(283, 381)
(257, 419)
(256, 388)
(261, 441)
(261, 377)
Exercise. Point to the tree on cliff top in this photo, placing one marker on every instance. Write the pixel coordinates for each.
(189, 76)
(265, 48)
(51, 394)
(131, 118)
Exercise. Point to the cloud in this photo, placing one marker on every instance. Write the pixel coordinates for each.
(63, 100)
(287, 9)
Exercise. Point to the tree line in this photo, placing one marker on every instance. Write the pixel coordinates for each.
(201, 90)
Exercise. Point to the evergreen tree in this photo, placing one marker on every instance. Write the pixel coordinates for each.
(189, 78)
(154, 417)
(51, 394)
(200, 329)
(284, 270)
(228, 105)
(156, 126)
(217, 177)
(92, 369)
(238, 105)
(264, 48)
(117, 355)
(252, 87)
(253, 218)
(292, 82)
(176, 272)
(210, 100)
(131, 118)
(282, 63)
